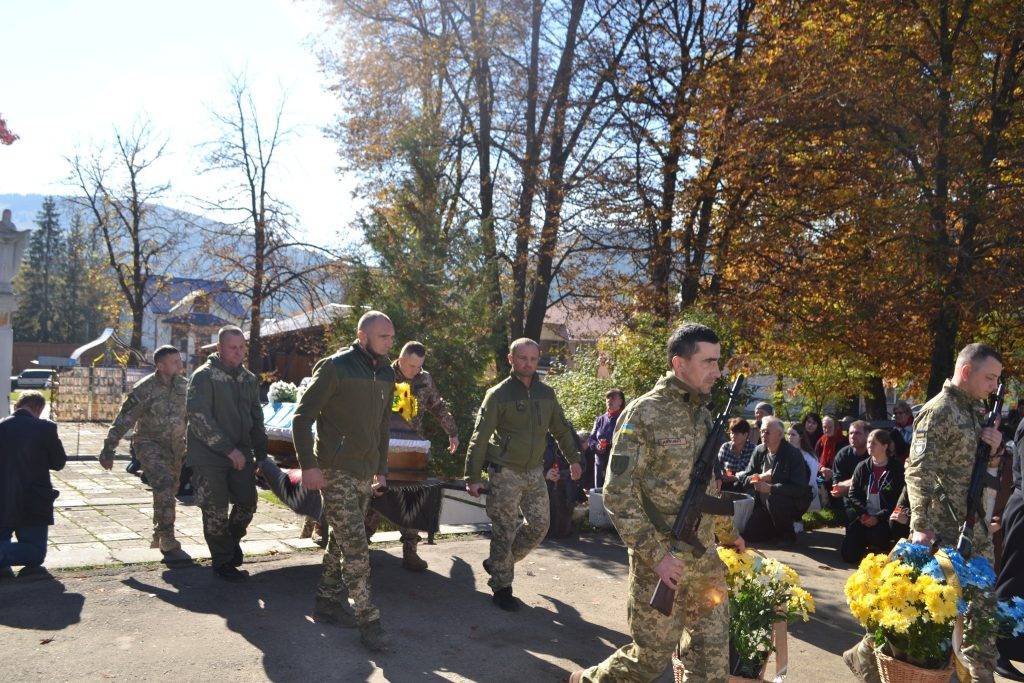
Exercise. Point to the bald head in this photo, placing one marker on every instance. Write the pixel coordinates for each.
(375, 333)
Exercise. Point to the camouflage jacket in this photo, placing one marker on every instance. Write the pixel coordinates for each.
(429, 398)
(656, 443)
(155, 408)
(224, 413)
(942, 450)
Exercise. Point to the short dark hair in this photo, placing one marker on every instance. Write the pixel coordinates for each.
(33, 400)
(227, 331)
(616, 392)
(163, 351)
(976, 353)
(684, 340)
(738, 425)
(414, 348)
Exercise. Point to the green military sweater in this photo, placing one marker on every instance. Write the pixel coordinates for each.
(224, 413)
(349, 399)
(512, 427)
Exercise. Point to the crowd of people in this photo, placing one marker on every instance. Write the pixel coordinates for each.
(883, 480)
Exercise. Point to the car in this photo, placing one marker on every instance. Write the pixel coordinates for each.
(36, 378)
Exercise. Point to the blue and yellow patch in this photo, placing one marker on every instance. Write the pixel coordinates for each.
(627, 429)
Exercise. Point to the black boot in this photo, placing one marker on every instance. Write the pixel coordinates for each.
(230, 573)
(504, 599)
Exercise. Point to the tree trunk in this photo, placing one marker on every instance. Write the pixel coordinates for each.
(877, 405)
(482, 79)
(531, 174)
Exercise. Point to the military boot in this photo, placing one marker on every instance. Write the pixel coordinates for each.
(373, 636)
(331, 612)
(504, 599)
(410, 560)
(861, 661)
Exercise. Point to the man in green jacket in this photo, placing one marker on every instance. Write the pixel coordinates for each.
(225, 438)
(510, 437)
(349, 399)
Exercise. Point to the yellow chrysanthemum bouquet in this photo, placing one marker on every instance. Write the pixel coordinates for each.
(762, 592)
(404, 402)
(910, 599)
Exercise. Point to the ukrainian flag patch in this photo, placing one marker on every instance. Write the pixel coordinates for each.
(626, 429)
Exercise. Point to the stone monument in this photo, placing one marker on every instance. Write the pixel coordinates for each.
(12, 247)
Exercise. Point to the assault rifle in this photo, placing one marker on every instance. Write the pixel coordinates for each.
(697, 502)
(980, 480)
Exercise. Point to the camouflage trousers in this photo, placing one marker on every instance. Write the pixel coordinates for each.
(410, 536)
(162, 467)
(698, 626)
(512, 540)
(347, 558)
(218, 489)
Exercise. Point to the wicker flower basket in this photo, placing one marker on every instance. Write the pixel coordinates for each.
(892, 670)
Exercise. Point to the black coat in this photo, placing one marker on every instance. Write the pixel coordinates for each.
(29, 449)
(889, 491)
(789, 471)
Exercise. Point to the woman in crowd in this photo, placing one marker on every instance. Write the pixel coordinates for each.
(599, 444)
(874, 493)
(793, 435)
(810, 433)
(825, 451)
(734, 455)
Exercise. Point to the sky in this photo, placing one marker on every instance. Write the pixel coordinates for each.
(75, 69)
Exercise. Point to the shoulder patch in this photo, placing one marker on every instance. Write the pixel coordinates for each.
(627, 429)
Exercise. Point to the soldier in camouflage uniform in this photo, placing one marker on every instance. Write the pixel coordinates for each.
(226, 437)
(155, 407)
(349, 400)
(656, 442)
(942, 450)
(510, 435)
(409, 369)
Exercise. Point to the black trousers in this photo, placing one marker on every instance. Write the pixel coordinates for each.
(1010, 582)
(773, 517)
(860, 538)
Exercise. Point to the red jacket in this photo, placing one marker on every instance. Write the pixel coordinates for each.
(827, 447)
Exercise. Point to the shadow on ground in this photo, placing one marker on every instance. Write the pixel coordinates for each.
(442, 622)
(20, 600)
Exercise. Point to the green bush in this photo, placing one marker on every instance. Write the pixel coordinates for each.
(826, 518)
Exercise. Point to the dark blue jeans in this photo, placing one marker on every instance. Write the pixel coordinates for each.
(28, 551)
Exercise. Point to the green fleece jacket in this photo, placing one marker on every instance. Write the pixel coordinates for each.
(224, 413)
(512, 427)
(350, 402)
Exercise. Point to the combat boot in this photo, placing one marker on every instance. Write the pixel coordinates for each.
(861, 661)
(331, 612)
(373, 636)
(167, 544)
(504, 599)
(412, 561)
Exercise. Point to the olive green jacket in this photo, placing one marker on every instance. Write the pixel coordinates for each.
(350, 402)
(512, 427)
(224, 413)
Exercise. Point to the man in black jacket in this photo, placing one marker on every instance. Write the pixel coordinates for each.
(777, 477)
(30, 450)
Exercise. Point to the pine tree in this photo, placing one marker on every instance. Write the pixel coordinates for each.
(87, 297)
(39, 279)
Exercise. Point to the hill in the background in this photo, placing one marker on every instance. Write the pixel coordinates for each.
(189, 258)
